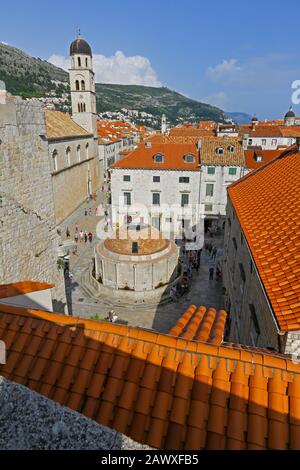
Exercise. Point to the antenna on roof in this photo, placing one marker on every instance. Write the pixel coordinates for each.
(78, 32)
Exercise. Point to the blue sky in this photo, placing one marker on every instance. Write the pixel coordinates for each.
(242, 56)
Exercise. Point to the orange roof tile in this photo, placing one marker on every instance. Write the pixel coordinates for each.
(173, 154)
(201, 324)
(266, 155)
(208, 155)
(267, 202)
(167, 392)
(59, 125)
(22, 288)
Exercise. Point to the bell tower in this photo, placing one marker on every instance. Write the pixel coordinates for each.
(82, 83)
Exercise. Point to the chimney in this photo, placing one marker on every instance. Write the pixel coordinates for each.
(148, 144)
(298, 144)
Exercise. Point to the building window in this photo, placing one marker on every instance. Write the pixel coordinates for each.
(158, 158)
(68, 156)
(251, 267)
(242, 272)
(258, 158)
(184, 200)
(234, 243)
(219, 151)
(208, 207)
(156, 199)
(126, 178)
(254, 330)
(82, 85)
(86, 63)
(156, 179)
(250, 141)
(78, 153)
(232, 171)
(78, 107)
(79, 62)
(209, 189)
(230, 148)
(274, 142)
(184, 179)
(211, 170)
(189, 158)
(168, 220)
(127, 199)
(77, 85)
(87, 151)
(54, 160)
(263, 141)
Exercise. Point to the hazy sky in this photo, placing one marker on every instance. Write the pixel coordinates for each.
(241, 56)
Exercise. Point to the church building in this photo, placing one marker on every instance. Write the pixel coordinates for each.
(73, 140)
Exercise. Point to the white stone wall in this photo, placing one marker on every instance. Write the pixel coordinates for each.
(221, 179)
(141, 187)
(268, 143)
(28, 236)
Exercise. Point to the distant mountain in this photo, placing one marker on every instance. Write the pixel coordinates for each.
(31, 77)
(239, 118)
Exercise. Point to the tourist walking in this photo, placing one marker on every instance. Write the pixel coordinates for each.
(90, 237)
(81, 236)
(68, 233)
(76, 237)
(85, 237)
(211, 273)
(214, 252)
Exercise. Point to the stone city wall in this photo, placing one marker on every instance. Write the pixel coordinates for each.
(28, 237)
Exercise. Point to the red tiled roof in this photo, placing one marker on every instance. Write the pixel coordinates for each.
(173, 154)
(267, 156)
(267, 130)
(201, 324)
(167, 392)
(22, 288)
(267, 203)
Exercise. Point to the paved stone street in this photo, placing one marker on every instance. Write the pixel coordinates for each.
(203, 291)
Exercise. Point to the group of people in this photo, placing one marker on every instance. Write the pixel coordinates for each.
(80, 235)
(190, 260)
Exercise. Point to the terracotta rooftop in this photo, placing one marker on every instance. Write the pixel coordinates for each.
(59, 124)
(267, 203)
(173, 154)
(257, 158)
(165, 391)
(233, 153)
(148, 239)
(201, 324)
(265, 130)
(22, 288)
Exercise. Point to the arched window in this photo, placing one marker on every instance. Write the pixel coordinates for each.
(219, 151)
(77, 85)
(86, 62)
(230, 148)
(82, 85)
(189, 158)
(78, 153)
(68, 156)
(87, 151)
(158, 158)
(84, 107)
(79, 107)
(54, 160)
(79, 62)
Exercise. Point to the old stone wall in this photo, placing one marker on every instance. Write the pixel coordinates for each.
(28, 236)
(72, 184)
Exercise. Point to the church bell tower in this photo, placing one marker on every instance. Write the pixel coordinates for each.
(82, 83)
